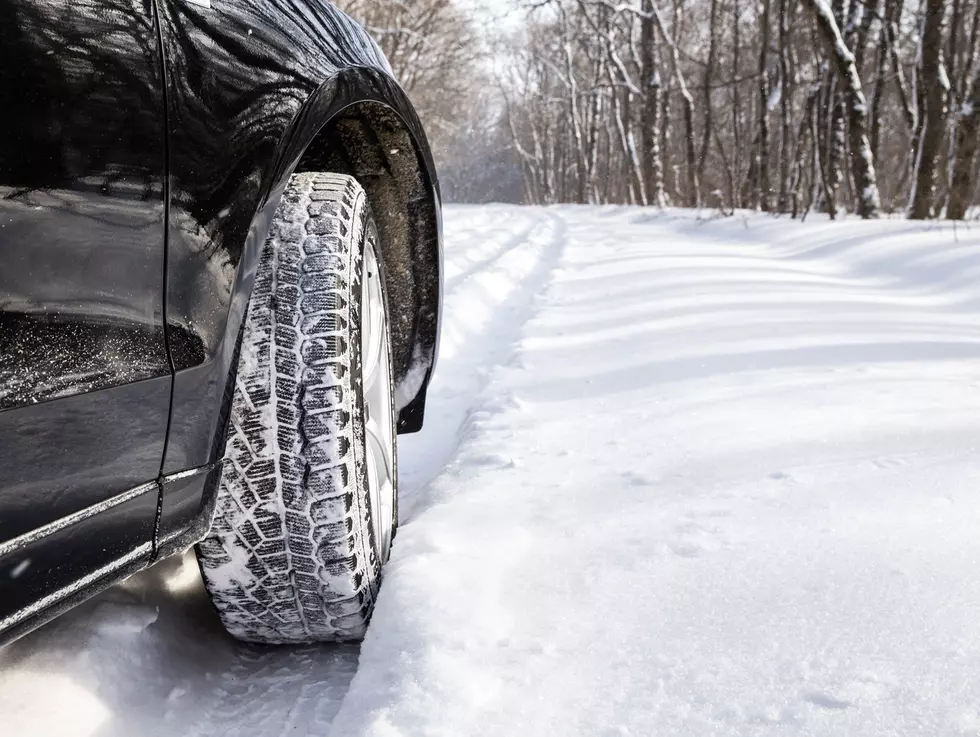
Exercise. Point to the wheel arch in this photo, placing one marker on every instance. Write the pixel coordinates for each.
(361, 123)
(369, 141)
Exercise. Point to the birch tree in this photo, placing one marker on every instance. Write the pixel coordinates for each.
(862, 160)
(653, 163)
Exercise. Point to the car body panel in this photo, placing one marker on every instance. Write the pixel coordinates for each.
(63, 456)
(46, 566)
(85, 376)
(187, 502)
(82, 172)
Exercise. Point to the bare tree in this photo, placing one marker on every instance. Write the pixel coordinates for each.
(934, 88)
(653, 163)
(706, 85)
(693, 192)
(786, 85)
(762, 185)
(862, 160)
(967, 132)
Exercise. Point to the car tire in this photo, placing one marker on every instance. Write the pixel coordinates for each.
(307, 499)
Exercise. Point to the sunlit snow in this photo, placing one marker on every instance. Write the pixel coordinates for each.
(680, 475)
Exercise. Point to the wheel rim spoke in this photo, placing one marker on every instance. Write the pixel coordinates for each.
(376, 375)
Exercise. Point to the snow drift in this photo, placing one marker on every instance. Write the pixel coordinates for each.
(679, 476)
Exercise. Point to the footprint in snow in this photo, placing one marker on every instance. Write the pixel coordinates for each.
(686, 550)
(494, 460)
(693, 540)
(709, 514)
(825, 701)
(636, 479)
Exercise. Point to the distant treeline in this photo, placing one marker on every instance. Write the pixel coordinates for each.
(781, 105)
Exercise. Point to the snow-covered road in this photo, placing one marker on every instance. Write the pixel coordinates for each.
(678, 477)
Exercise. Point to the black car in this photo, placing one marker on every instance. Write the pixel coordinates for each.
(220, 297)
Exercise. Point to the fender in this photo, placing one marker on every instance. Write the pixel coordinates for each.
(373, 134)
(233, 147)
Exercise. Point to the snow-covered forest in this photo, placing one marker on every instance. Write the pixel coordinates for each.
(785, 106)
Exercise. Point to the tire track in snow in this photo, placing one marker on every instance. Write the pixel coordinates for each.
(149, 658)
(731, 552)
(742, 301)
(483, 318)
(514, 240)
(278, 691)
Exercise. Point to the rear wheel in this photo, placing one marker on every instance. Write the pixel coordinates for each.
(307, 498)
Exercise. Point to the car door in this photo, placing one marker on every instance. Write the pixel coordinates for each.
(85, 378)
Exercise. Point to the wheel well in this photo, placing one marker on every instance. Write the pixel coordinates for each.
(371, 143)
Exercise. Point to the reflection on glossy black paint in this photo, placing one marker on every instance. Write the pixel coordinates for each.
(238, 74)
(81, 89)
(81, 195)
(63, 456)
(52, 562)
(85, 377)
(250, 83)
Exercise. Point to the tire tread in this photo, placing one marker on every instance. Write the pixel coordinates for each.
(289, 558)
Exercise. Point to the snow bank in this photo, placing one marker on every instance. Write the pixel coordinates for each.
(679, 476)
(725, 485)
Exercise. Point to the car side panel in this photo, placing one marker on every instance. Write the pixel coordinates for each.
(48, 566)
(85, 376)
(61, 457)
(250, 84)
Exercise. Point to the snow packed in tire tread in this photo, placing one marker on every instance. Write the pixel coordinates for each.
(289, 557)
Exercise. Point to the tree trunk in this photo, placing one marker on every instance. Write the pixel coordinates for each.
(709, 71)
(831, 126)
(820, 160)
(952, 48)
(785, 110)
(969, 65)
(878, 91)
(837, 138)
(666, 150)
(837, 134)
(763, 187)
(893, 14)
(798, 159)
(967, 132)
(862, 160)
(653, 163)
(933, 116)
(693, 198)
(693, 185)
(736, 106)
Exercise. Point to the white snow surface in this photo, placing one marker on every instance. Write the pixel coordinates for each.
(679, 476)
